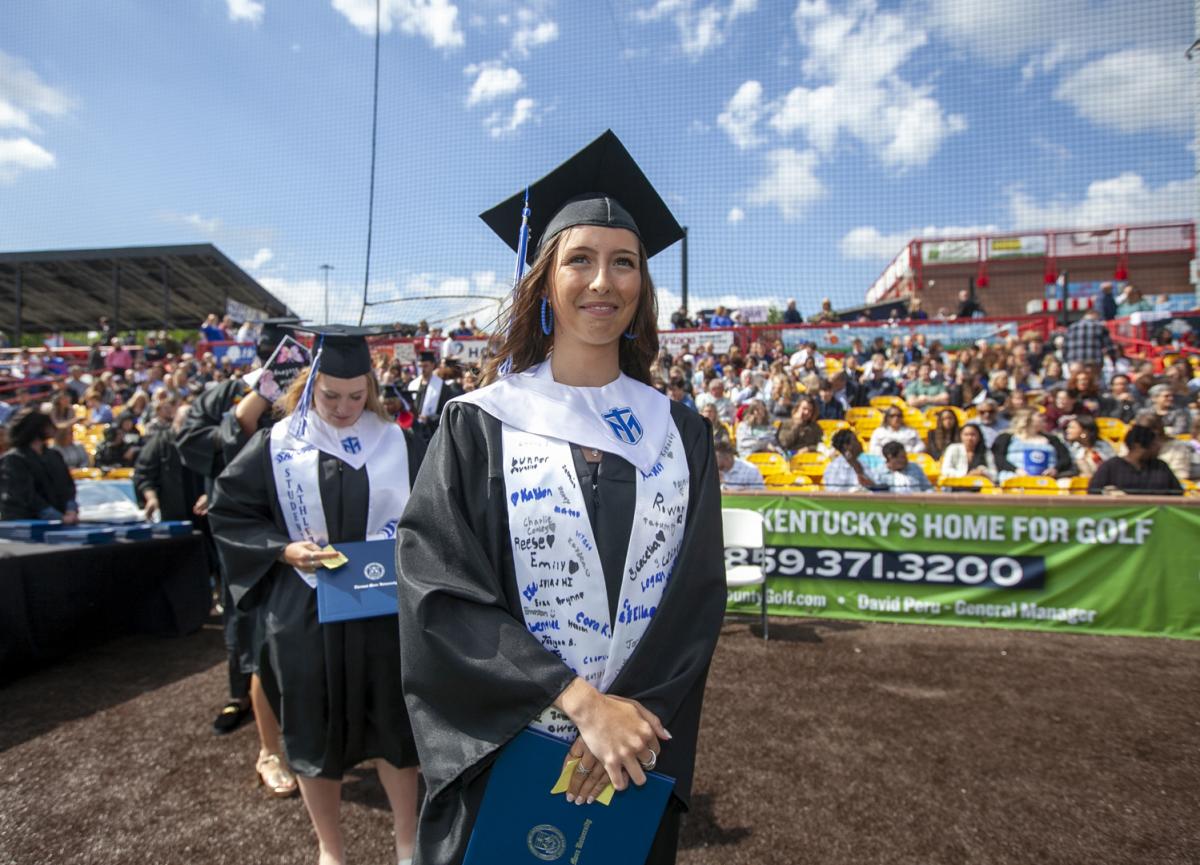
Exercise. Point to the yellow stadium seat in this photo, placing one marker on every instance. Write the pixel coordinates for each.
(934, 411)
(885, 402)
(768, 463)
(118, 474)
(970, 482)
(832, 426)
(928, 464)
(807, 458)
(858, 414)
(1039, 485)
(1112, 429)
(813, 471)
(85, 474)
(796, 488)
(1076, 486)
(780, 479)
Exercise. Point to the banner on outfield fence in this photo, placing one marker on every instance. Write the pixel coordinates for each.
(1131, 570)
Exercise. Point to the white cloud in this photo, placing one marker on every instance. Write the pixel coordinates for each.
(260, 258)
(790, 182)
(1133, 91)
(436, 21)
(741, 115)
(500, 126)
(23, 95)
(854, 61)
(531, 32)
(867, 242)
(251, 11)
(701, 28)
(492, 81)
(198, 222)
(736, 215)
(18, 155)
(1122, 200)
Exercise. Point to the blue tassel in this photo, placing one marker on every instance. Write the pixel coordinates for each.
(519, 271)
(629, 334)
(299, 422)
(547, 313)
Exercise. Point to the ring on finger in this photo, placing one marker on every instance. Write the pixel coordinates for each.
(649, 765)
(581, 769)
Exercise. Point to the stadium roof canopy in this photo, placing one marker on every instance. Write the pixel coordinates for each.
(136, 287)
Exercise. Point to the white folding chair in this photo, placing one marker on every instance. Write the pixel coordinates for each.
(744, 529)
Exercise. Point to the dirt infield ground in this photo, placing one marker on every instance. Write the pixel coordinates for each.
(833, 743)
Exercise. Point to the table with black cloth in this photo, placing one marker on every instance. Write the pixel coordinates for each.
(58, 599)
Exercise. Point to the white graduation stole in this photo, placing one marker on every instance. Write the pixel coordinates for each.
(370, 441)
(564, 598)
(433, 392)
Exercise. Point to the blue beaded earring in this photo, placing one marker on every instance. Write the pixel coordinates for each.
(629, 334)
(547, 317)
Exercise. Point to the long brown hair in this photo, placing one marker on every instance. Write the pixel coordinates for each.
(521, 327)
(288, 403)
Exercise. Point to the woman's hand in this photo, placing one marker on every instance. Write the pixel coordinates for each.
(305, 555)
(616, 732)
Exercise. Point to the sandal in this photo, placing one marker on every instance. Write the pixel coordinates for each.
(274, 774)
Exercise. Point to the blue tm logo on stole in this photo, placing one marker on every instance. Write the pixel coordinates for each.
(351, 445)
(624, 424)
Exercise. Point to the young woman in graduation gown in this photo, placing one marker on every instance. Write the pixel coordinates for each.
(561, 563)
(334, 470)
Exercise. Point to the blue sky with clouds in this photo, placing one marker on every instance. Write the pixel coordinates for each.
(802, 143)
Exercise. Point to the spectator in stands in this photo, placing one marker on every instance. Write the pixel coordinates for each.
(801, 433)
(1118, 402)
(755, 433)
(675, 390)
(160, 415)
(119, 359)
(970, 456)
(1140, 471)
(915, 312)
(152, 351)
(1088, 450)
(894, 429)
(825, 314)
(944, 434)
(1175, 420)
(1131, 300)
(735, 473)
(898, 475)
(750, 388)
(998, 386)
(1052, 375)
(61, 409)
(721, 431)
(122, 441)
(680, 320)
(1175, 453)
(1026, 449)
(1061, 409)
(923, 391)
(76, 382)
(830, 408)
(968, 306)
(74, 455)
(1179, 379)
(1086, 392)
(35, 483)
(850, 470)
(781, 401)
(791, 315)
(877, 382)
(98, 412)
(1106, 304)
(990, 421)
(720, 318)
(716, 396)
(1087, 342)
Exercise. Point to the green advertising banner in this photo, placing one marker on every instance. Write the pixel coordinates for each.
(1089, 568)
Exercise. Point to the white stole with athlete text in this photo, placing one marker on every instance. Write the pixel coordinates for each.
(564, 597)
(370, 441)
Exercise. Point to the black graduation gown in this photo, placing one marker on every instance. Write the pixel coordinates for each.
(159, 468)
(338, 696)
(474, 677)
(31, 482)
(201, 443)
(427, 428)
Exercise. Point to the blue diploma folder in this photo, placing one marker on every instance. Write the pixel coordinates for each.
(521, 822)
(363, 587)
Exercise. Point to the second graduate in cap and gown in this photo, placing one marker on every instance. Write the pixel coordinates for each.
(334, 470)
(561, 565)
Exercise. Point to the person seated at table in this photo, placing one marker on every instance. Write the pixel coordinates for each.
(802, 433)
(898, 475)
(1027, 450)
(1088, 450)
(943, 435)
(122, 441)
(969, 456)
(735, 473)
(894, 429)
(1140, 471)
(35, 483)
(755, 433)
(850, 470)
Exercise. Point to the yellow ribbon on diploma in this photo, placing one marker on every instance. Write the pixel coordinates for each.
(564, 782)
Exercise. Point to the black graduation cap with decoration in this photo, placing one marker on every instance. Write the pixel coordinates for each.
(339, 350)
(599, 185)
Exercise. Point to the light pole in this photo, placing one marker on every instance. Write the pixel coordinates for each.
(326, 268)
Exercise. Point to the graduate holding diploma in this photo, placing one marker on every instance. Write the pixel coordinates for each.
(560, 561)
(334, 470)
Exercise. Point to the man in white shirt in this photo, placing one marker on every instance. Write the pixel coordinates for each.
(736, 473)
(716, 395)
(850, 471)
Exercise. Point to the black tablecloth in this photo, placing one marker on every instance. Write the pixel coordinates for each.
(58, 599)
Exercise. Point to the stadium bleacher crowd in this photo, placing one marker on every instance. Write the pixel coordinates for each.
(1016, 414)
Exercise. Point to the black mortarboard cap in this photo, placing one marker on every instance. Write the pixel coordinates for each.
(599, 185)
(344, 350)
(427, 356)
